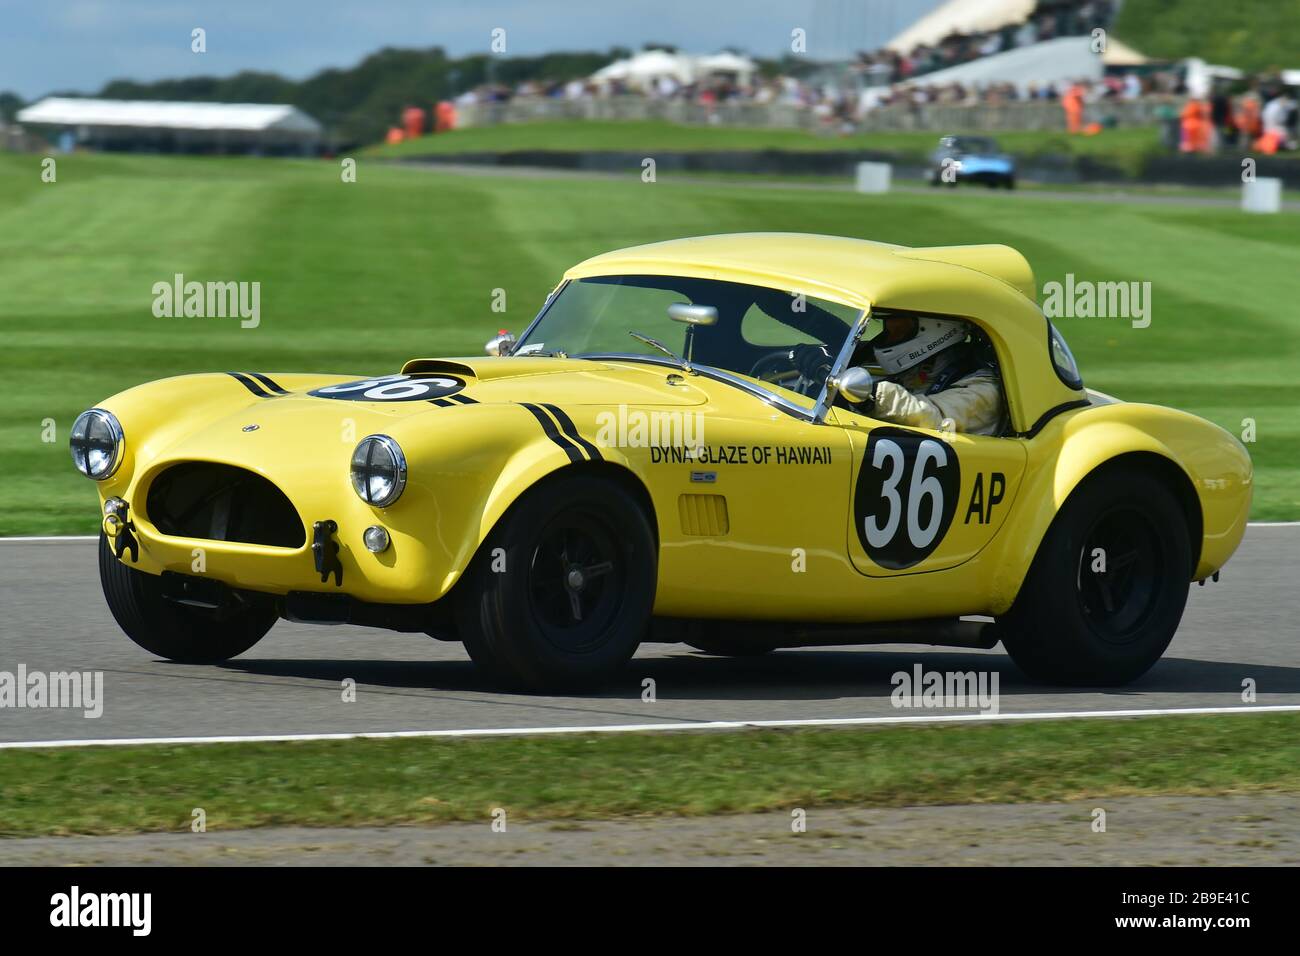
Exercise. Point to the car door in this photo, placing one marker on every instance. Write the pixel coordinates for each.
(923, 499)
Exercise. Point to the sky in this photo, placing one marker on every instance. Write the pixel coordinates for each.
(79, 45)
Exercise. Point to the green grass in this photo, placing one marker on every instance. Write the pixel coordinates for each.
(651, 136)
(381, 782)
(357, 278)
(1227, 33)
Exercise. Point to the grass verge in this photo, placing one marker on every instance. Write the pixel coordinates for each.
(1125, 146)
(382, 782)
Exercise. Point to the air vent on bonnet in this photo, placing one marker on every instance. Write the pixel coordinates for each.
(436, 367)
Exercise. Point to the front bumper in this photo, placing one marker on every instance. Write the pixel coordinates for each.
(410, 571)
(309, 607)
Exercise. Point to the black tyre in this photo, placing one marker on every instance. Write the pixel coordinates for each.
(559, 595)
(178, 632)
(1010, 182)
(1107, 588)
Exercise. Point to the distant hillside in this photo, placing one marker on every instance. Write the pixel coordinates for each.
(1255, 35)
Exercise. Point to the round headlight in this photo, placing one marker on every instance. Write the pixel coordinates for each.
(96, 444)
(378, 470)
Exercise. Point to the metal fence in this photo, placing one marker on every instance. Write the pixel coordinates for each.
(932, 117)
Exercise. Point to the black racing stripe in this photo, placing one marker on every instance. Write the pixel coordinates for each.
(440, 402)
(249, 384)
(1051, 413)
(463, 399)
(266, 380)
(567, 426)
(553, 433)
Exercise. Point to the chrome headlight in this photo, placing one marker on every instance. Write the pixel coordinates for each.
(97, 444)
(378, 470)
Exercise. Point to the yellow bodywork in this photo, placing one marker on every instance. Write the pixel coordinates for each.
(770, 536)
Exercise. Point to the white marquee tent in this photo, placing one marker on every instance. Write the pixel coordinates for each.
(961, 16)
(221, 126)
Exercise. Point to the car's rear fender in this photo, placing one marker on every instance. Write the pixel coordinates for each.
(1205, 467)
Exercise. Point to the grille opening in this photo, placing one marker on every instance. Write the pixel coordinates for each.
(223, 503)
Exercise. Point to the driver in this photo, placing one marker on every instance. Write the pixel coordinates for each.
(934, 373)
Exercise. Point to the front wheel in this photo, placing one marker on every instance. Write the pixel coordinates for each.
(559, 595)
(1107, 589)
(178, 632)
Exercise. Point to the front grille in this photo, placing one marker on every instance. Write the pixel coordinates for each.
(200, 499)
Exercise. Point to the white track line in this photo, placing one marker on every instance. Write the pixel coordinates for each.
(644, 728)
(54, 539)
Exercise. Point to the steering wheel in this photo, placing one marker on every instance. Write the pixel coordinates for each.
(779, 369)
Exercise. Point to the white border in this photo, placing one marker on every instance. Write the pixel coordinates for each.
(644, 728)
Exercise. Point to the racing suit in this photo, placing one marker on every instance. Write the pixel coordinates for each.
(925, 397)
(954, 386)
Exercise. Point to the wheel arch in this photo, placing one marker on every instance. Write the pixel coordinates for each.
(509, 496)
(1172, 476)
(1080, 456)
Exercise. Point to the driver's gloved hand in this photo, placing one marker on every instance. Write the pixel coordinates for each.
(812, 361)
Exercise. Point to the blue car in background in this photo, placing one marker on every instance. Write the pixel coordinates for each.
(974, 159)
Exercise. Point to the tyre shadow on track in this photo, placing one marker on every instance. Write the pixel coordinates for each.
(681, 674)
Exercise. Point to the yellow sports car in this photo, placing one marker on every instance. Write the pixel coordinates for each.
(652, 459)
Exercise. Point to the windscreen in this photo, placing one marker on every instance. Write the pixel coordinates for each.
(755, 326)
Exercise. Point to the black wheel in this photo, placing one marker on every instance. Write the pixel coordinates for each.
(560, 593)
(1010, 182)
(178, 632)
(1107, 588)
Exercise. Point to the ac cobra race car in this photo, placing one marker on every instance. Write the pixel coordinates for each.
(648, 463)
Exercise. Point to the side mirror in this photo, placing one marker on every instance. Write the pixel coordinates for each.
(693, 314)
(855, 384)
(502, 344)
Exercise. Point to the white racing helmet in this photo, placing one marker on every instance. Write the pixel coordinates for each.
(931, 337)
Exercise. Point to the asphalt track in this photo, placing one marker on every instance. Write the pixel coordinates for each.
(1119, 194)
(53, 618)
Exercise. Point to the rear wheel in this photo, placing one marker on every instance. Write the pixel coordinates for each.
(178, 632)
(1108, 586)
(560, 593)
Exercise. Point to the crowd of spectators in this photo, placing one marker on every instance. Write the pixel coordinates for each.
(1050, 19)
(885, 75)
(885, 78)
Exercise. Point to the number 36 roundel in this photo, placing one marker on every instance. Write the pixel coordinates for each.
(393, 388)
(905, 497)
